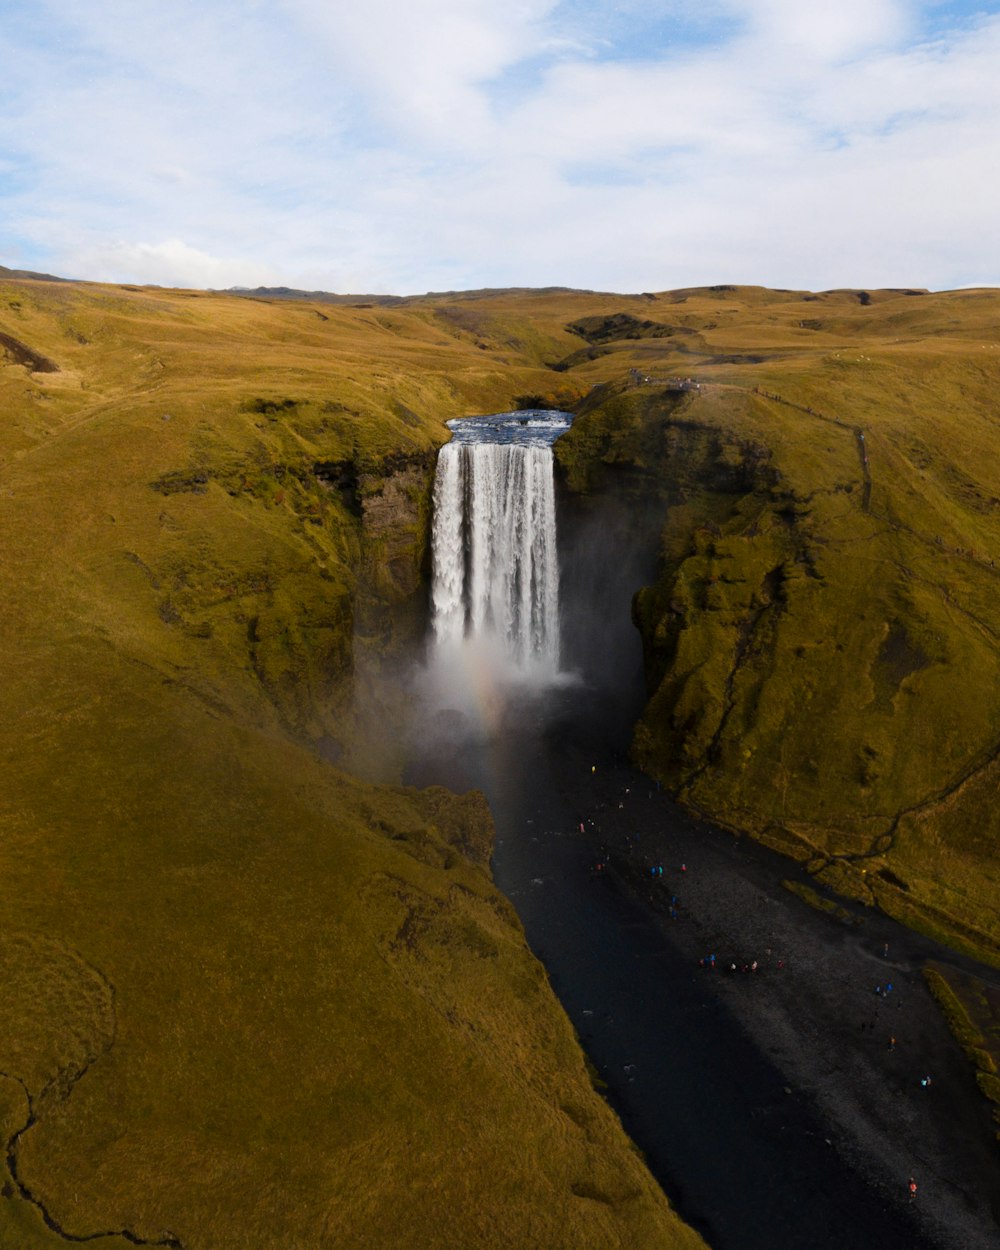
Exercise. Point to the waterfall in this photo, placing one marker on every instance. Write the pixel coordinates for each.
(495, 568)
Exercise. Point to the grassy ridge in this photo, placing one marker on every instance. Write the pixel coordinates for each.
(970, 1007)
(248, 1000)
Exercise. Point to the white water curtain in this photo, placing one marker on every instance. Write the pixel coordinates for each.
(495, 565)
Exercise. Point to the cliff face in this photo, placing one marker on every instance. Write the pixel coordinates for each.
(395, 550)
(820, 637)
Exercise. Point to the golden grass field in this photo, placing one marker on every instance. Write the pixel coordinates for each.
(250, 999)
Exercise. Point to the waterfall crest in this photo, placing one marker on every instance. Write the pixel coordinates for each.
(495, 580)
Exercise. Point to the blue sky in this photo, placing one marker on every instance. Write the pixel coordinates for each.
(412, 145)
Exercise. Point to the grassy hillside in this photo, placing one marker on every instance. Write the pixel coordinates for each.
(822, 641)
(246, 999)
(250, 999)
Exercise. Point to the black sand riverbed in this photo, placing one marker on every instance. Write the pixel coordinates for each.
(768, 1103)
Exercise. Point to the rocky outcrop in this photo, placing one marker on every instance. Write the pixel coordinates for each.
(22, 354)
(395, 547)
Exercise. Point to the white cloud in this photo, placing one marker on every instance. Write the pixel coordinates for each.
(420, 66)
(827, 31)
(171, 263)
(372, 149)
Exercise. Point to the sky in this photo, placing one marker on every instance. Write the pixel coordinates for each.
(402, 146)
